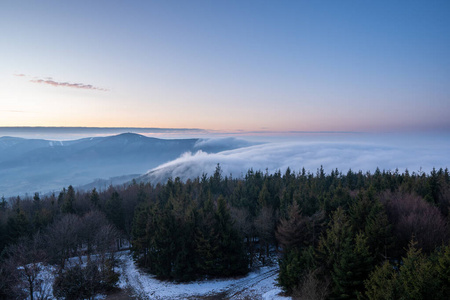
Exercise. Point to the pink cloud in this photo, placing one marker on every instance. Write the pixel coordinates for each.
(50, 81)
(68, 84)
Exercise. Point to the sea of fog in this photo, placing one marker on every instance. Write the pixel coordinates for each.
(343, 151)
(264, 151)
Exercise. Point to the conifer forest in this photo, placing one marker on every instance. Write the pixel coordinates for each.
(352, 235)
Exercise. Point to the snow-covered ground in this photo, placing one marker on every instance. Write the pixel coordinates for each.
(44, 284)
(256, 285)
(259, 284)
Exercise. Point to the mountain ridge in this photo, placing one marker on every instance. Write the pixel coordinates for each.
(39, 165)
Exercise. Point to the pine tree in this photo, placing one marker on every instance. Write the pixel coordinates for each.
(206, 240)
(416, 278)
(351, 269)
(298, 231)
(3, 204)
(383, 284)
(231, 256)
(294, 266)
(369, 216)
(185, 266)
(141, 234)
(95, 198)
(205, 250)
(291, 270)
(264, 196)
(359, 211)
(378, 231)
(3, 240)
(17, 226)
(163, 246)
(443, 270)
(114, 210)
(36, 201)
(216, 180)
(337, 237)
(68, 201)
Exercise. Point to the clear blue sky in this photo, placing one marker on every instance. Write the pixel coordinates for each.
(226, 65)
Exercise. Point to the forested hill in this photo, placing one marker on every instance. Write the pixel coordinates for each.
(30, 165)
(381, 235)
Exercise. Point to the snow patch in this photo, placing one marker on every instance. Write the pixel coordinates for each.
(256, 285)
(260, 284)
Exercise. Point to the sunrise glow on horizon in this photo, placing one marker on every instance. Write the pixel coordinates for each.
(227, 66)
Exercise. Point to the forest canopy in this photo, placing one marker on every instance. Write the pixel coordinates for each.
(340, 235)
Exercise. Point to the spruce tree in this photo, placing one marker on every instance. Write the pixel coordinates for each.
(206, 240)
(337, 237)
(163, 248)
(141, 235)
(185, 265)
(294, 266)
(417, 279)
(383, 283)
(231, 256)
(17, 226)
(443, 269)
(114, 210)
(3, 204)
(378, 231)
(68, 201)
(351, 269)
(95, 198)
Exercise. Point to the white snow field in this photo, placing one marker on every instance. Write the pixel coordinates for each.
(256, 285)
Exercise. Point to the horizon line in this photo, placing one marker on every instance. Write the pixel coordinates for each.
(236, 131)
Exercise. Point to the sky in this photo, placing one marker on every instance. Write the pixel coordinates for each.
(227, 66)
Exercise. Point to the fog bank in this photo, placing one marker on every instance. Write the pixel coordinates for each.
(309, 155)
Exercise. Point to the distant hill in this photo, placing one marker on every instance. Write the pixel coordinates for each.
(35, 165)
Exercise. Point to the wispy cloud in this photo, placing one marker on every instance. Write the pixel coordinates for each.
(52, 82)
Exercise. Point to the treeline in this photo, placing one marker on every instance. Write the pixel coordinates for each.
(381, 235)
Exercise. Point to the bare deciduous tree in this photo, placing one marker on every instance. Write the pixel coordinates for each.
(63, 238)
(412, 216)
(105, 242)
(91, 223)
(264, 226)
(28, 260)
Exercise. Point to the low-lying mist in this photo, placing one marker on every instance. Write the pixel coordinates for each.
(365, 155)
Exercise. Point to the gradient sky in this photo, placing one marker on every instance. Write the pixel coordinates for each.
(226, 65)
